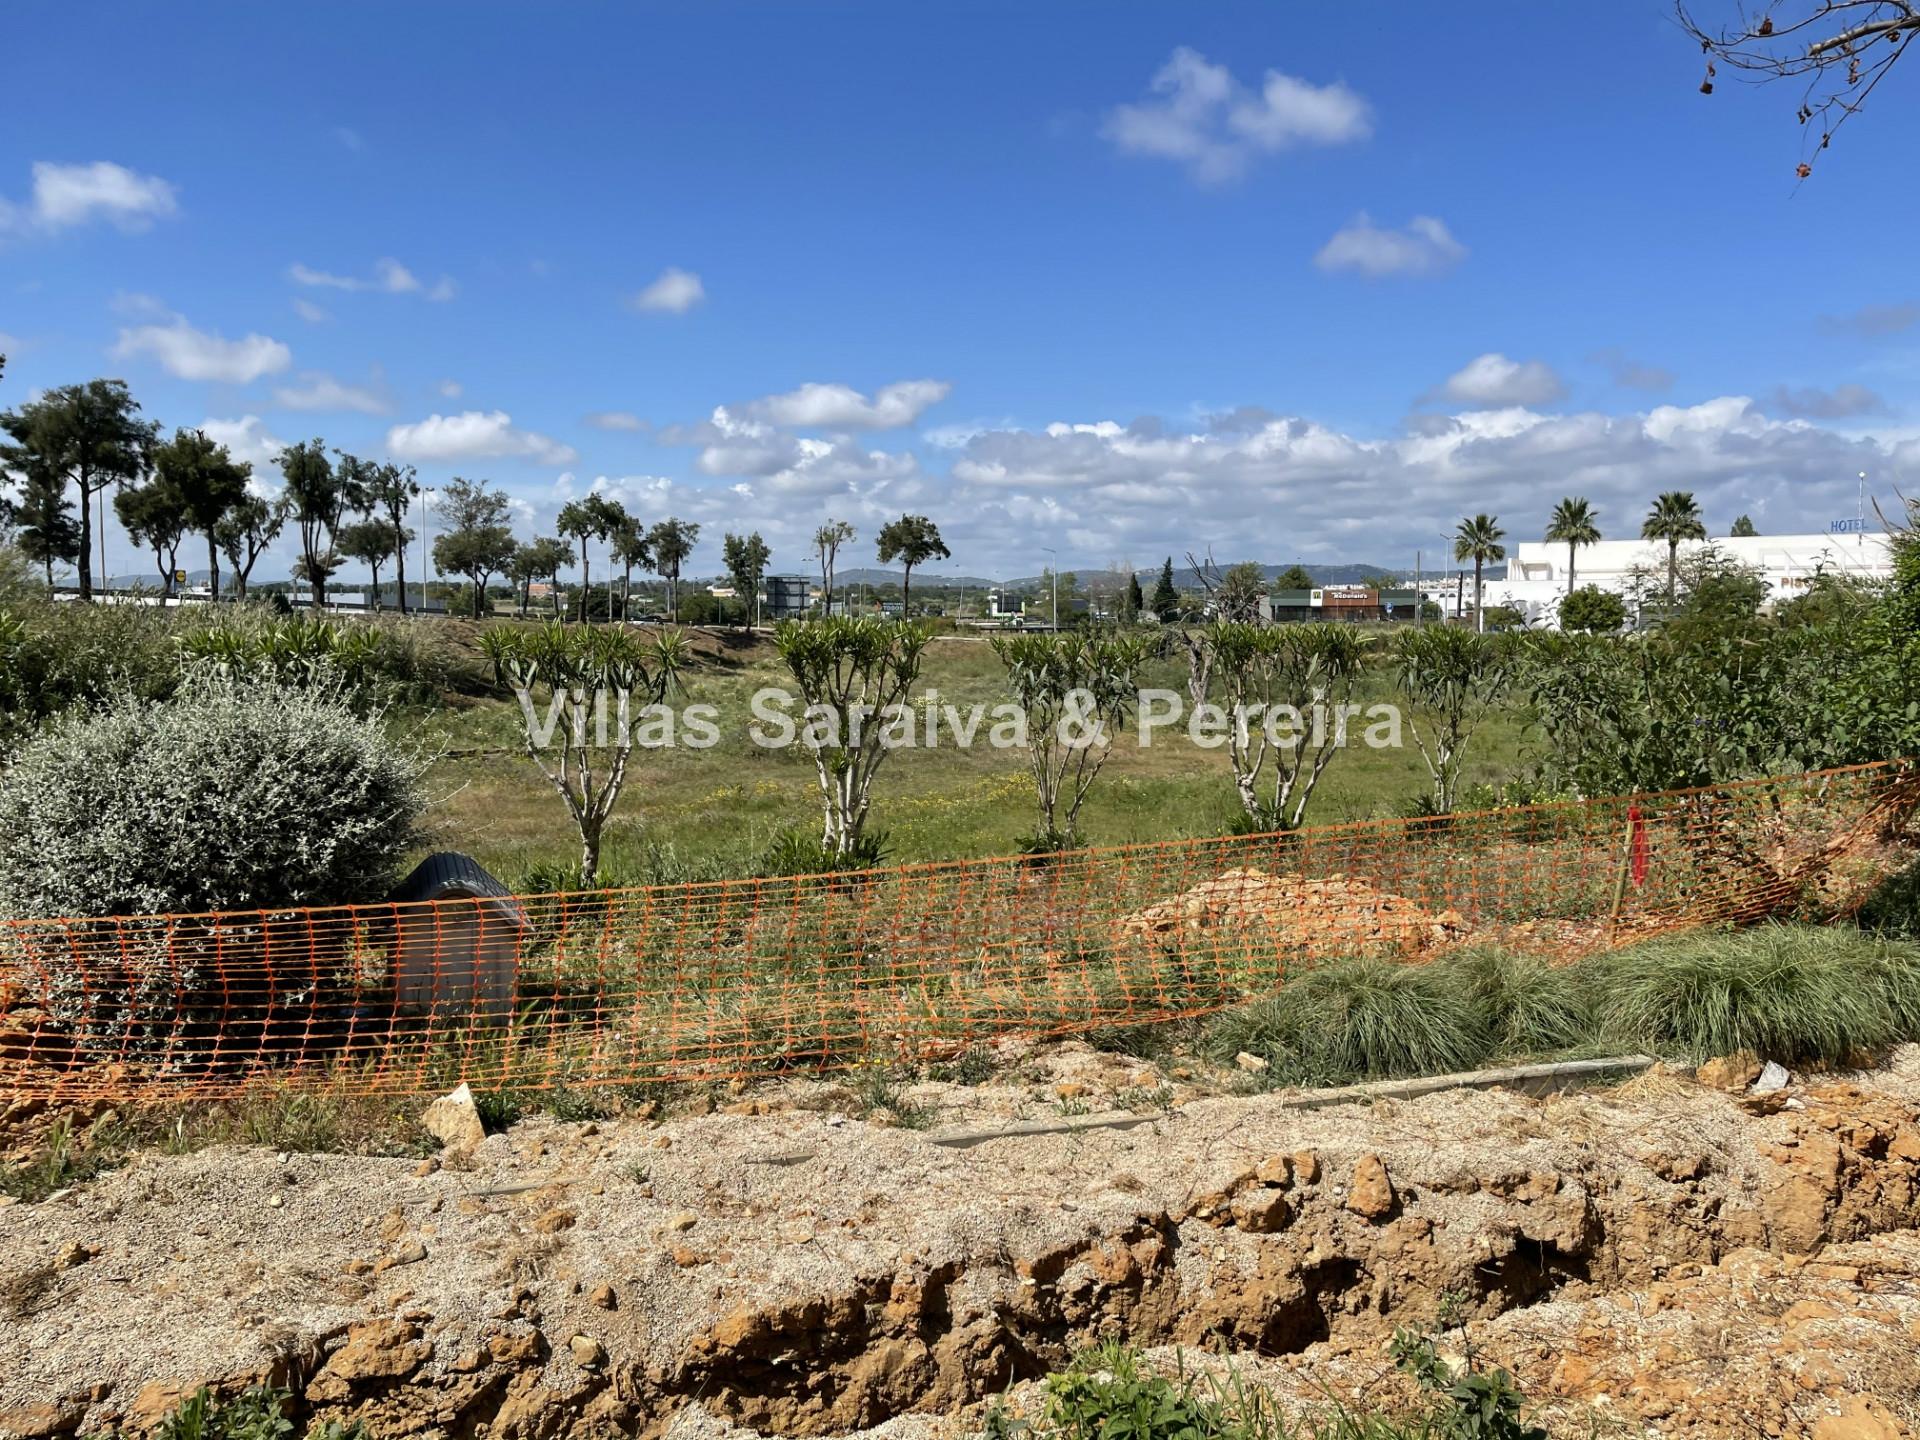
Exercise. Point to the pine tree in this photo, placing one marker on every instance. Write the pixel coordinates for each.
(1166, 600)
(1136, 602)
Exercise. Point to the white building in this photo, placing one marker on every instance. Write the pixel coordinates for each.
(1537, 570)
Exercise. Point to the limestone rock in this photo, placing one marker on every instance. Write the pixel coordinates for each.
(1370, 1196)
(1730, 1072)
(379, 1350)
(1859, 1419)
(454, 1120)
(1261, 1211)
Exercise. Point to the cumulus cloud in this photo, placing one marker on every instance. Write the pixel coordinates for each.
(1423, 247)
(840, 407)
(475, 435)
(1839, 403)
(784, 463)
(450, 389)
(317, 390)
(64, 196)
(190, 354)
(1870, 320)
(247, 439)
(1492, 380)
(389, 277)
(674, 293)
(615, 420)
(1198, 114)
(1142, 488)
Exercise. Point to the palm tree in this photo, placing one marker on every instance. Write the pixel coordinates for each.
(1479, 540)
(1572, 525)
(1675, 517)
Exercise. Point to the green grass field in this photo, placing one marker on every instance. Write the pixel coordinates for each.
(715, 811)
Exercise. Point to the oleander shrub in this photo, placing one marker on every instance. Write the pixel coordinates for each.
(232, 794)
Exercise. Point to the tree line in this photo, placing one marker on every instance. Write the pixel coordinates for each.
(75, 444)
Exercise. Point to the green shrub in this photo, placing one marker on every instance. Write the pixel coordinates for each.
(1104, 1395)
(1357, 1020)
(1787, 992)
(53, 657)
(801, 852)
(1894, 906)
(257, 1413)
(229, 796)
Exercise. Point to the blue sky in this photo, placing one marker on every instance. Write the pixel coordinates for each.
(762, 265)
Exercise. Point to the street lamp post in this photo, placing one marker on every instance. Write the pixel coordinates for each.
(425, 523)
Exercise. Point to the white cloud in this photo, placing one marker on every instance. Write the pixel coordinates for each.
(68, 195)
(785, 463)
(394, 278)
(306, 275)
(317, 390)
(615, 420)
(451, 389)
(1139, 491)
(247, 439)
(839, 407)
(1144, 489)
(1201, 116)
(1493, 380)
(1423, 247)
(190, 354)
(475, 435)
(311, 313)
(675, 292)
(389, 277)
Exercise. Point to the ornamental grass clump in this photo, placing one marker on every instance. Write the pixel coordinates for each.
(1793, 993)
(1357, 1020)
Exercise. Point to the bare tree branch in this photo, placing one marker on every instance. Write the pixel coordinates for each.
(1841, 48)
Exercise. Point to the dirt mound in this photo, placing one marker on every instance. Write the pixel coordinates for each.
(1330, 917)
(804, 1273)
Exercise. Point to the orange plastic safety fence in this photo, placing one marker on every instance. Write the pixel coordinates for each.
(755, 976)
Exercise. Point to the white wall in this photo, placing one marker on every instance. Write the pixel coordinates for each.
(1538, 571)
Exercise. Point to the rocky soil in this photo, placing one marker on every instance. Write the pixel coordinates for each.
(1664, 1255)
